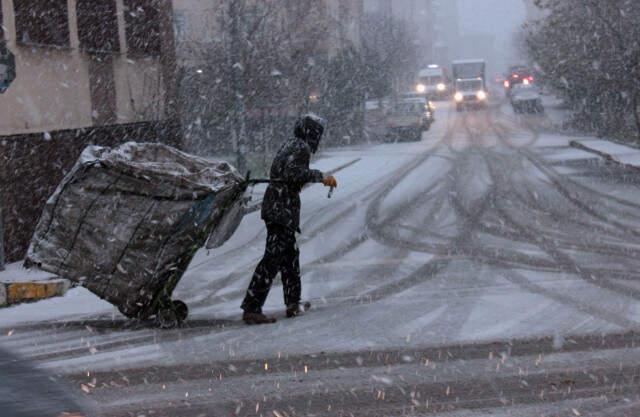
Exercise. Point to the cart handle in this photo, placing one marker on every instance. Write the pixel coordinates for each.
(255, 181)
(249, 181)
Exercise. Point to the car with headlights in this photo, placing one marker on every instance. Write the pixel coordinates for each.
(433, 83)
(517, 75)
(407, 119)
(526, 98)
(470, 93)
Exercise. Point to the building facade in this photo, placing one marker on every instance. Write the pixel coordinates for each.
(420, 16)
(446, 31)
(82, 63)
(345, 18)
(88, 72)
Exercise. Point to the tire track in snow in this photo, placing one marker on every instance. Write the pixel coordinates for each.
(563, 261)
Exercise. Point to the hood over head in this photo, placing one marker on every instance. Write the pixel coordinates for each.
(310, 128)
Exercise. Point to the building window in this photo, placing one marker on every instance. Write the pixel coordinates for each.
(98, 25)
(102, 87)
(180, 25)
(344, 12)
(42, 22)
(142, 27)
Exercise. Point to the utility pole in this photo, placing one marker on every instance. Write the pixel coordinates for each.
(237, 68)
(168, 59)
(1, 235)
(169, 69)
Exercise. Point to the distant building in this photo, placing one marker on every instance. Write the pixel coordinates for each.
(83, 63)
(533, 12)
(345, 16)
(198, 21)
(446, 31)
(88, 72)
(420, 16)
(482, 46)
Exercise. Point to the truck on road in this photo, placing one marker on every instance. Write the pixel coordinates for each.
(468, 69)
(470, 83)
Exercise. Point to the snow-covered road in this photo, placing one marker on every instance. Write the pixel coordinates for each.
(433, 262)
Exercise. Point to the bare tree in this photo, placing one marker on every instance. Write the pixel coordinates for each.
(390, 45)
(251, 75)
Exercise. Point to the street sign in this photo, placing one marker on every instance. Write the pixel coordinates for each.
(7, 67)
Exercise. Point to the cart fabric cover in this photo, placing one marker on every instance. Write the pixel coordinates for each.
(126, 222)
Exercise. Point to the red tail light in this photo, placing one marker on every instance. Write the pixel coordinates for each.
(506, 84)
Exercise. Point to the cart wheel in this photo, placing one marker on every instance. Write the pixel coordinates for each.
(181, 310)
(166, 318)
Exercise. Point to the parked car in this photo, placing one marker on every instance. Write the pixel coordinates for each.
(408, 118)
(429, 111)
(526, 98)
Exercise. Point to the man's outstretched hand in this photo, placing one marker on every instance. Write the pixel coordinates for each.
(330, 181)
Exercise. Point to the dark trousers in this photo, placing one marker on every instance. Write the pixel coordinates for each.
(281, 255)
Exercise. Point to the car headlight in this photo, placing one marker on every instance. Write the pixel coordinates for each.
(421, 88)
(441, 87)
(482, 95)
(458, 97)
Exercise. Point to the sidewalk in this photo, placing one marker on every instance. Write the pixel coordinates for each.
(626, 156)
(19, 285)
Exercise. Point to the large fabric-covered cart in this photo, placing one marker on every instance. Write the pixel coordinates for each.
(125, 223)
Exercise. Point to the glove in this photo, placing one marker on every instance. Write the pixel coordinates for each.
(330, 181)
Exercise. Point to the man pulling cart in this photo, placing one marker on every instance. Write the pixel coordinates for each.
(126, 222)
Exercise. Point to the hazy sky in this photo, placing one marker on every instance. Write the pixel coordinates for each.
(498, 17)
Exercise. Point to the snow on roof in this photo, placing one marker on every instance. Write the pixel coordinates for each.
(427, 72)
(469, 61)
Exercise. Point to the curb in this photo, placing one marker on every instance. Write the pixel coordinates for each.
(14, 293)
(604, 155)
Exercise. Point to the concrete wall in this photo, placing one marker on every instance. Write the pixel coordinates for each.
(32, 166)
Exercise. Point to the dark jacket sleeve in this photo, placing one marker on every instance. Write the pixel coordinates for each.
(297, 168)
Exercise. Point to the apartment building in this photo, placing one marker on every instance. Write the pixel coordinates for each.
(420, 17)
(446, 31)
(82, 63)
(345, 18)
(87, 72)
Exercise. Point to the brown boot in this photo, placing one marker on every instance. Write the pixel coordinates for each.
(257, 318)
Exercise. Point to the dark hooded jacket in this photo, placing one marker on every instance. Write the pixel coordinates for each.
(281, 204)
